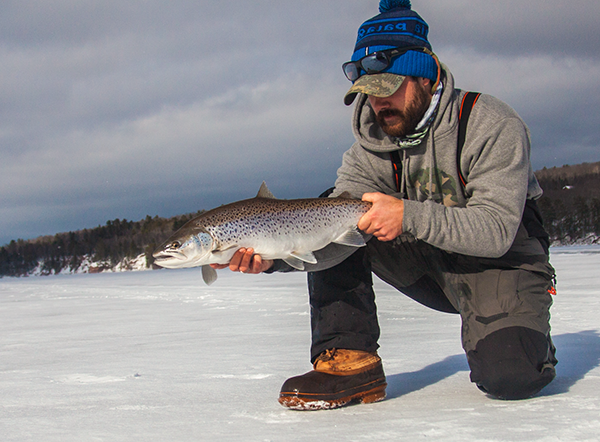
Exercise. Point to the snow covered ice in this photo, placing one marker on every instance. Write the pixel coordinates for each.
(158, 356)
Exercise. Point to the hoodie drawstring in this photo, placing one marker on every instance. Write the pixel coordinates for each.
(400, 166)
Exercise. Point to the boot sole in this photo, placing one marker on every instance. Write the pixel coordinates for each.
(312, 402)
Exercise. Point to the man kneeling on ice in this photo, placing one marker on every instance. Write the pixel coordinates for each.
(454, 225)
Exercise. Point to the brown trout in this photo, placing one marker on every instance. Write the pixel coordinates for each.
(290, 230)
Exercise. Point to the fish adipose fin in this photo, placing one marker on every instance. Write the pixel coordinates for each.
(264, 192)
(351, 238)
(209, 274)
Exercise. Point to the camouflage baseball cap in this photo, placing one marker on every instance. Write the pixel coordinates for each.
(378, 85)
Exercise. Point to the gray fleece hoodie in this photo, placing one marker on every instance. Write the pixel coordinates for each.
(481, 219)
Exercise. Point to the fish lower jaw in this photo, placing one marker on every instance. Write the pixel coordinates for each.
(171, 261)
(169, 264)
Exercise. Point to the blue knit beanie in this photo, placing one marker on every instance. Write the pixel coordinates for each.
(398, 26)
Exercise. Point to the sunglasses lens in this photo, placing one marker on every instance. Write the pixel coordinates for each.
(374, 63)
(351, 71)
(371, 64)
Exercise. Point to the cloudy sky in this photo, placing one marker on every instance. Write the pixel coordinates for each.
(122, 109)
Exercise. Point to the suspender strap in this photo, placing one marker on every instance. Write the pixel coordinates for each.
(397, 163)
(467, 104)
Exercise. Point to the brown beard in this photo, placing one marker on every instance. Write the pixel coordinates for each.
(409, 118)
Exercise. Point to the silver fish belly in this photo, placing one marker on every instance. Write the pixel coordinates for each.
(276, 229)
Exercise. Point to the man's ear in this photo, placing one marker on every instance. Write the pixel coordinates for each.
(427, 85)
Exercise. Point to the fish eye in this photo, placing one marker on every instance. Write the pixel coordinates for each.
(175, 245)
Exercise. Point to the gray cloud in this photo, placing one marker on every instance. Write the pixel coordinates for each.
(122, 109)
(513, 27)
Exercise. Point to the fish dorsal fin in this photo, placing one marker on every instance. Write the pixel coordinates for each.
(346, 195)
(351, 237)
(264, 192)
(209, 274)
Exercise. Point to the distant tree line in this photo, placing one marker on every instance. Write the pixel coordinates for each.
(567, 223)
(571, 202)
(570, 207)
(105, 245)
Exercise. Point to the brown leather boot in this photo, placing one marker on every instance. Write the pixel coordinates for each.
(340, 377)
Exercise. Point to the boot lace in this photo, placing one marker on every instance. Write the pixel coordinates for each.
(327, 355)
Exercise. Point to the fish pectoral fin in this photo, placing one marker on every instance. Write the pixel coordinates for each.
(264, 192)
(224, 254)
(224, 249)
(209, 275)
(306, 257)
(296, 263)
(351, 238)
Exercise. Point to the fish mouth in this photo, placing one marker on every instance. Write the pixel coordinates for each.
(169, 259)
(168, 253)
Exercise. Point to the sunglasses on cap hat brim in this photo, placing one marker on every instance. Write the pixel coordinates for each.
(376, 62)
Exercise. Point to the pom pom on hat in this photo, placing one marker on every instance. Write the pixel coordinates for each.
(388, 5)
(396, 26)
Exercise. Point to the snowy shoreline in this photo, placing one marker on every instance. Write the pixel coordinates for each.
(88, 266)
(589, 248)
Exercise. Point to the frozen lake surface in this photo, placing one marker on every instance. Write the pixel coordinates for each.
(159, 356)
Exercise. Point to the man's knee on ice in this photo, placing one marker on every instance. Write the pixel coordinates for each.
(513, 363)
